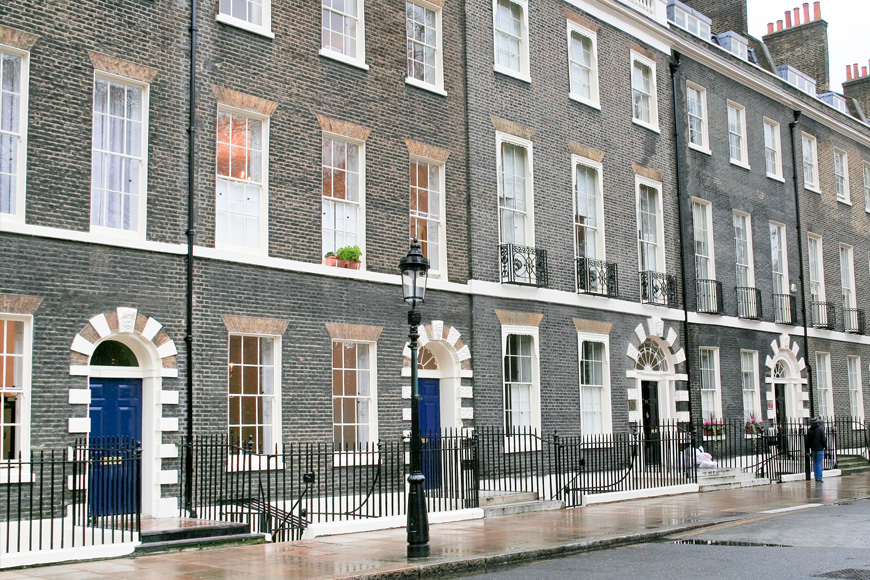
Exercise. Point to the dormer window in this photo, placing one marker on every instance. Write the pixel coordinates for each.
(689, 19)
(796, 78)
(836, 101)
(735, 44)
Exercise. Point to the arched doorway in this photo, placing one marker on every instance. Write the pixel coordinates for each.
(787, 400)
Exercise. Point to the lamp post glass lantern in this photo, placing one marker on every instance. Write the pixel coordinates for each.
(414, 268)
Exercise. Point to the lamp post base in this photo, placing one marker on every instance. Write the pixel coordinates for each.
(418, 518)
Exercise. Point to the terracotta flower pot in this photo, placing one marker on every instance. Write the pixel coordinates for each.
(352, 265)
(331, 260)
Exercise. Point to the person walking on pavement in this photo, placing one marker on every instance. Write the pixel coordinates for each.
(816, 443)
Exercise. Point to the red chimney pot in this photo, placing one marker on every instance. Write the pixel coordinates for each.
(788, 19)
(855, 71)
(806, 11)
(797, 17)
(778, 25)
(817, 11)
(770, 27)
(863, 71)
(848, 72)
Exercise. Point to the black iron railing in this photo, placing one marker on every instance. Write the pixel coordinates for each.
(854, 320)
(597, 277)
(709, 296)
(823, 314)
(748, 303)
(658, 288)
(784, 309)
(523, 265)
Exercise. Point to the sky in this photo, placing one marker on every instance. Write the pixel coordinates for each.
(847, 30)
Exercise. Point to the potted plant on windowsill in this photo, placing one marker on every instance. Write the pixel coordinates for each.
(713, 426)
(754, 425)
(331, 259)
(350, 256)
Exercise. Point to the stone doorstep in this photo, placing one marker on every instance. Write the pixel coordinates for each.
(509, 509)
(489, 498)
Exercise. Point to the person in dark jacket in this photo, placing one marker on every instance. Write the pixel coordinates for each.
(816, 443)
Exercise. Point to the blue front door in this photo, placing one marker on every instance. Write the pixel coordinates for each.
(114, 446)
(430, 430)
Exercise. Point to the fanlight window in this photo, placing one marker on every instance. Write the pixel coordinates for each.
(651, 357)
(779, 371)
(426, 360)
(111, 353)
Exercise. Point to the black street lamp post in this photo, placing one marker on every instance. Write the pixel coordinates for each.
(415, 268)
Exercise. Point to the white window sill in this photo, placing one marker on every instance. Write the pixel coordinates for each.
(244, 25)
(813, 188)
(255, 463)
(425, 86)
(11, 473)
(740, 164)
(361, 268)
(337, 56)
(222, 246)
(844, 202)
(512, 73)
(355, 458)
(651, 127)
(776, 177)
(595, 104)
(117, 233)
(700, 149)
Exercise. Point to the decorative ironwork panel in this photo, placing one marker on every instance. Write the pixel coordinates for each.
(823, 314)
(709, 296)
(784, 308)
(597, 277)
(853, 320)
(748, 303)
(658, 288)
(523, 265)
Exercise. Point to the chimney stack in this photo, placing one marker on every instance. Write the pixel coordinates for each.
(787, 19)
(797, 17)
(725, 14)
(778, 25)
(803, 46)
(848, 72)
(817, 11)
(806, 11)
(858, 86)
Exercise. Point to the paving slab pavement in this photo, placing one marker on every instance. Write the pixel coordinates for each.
(465, 547)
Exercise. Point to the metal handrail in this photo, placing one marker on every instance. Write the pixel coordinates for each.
(748, 302)
(784, 308)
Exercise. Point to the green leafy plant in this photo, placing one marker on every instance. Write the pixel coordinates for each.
(349, 253)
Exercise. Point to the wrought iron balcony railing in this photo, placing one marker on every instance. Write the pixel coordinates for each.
(523, 265)
(784, 309)
(823, 314)
(597, 277)
(853, 320)
(748, 303)
(658, 288)
(709, 296)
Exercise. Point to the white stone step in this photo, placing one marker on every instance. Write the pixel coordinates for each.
(509, 509)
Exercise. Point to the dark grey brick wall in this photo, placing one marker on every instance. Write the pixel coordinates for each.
(804, 47)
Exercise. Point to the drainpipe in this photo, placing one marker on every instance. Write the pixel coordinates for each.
(191, 238)
(679, 158)
(800, 249)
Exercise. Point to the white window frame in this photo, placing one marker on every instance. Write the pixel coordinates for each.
(535, 388)
(810, 156)
(22, 444)
(749, 254)
(606, 412)
(866, 174)
(142, 197)
(717, 384)
(358, 61)
(522, 72)
(272, 435)
(841, 176)
(755, 391)
(856, 389)
(783, 259)
(660, 225)
(847, 278)
(704, 145)
(263, 234)
(653, 123)
(816, 267)
(598, 168)
(740, 132)
(438, 85)
(441, 270)
(263, 29)
(823, 385)
(705, 229)
(593, 100)
(772, 147)
(361, 203)
(373, 390)
(18, 197)
(530, 186)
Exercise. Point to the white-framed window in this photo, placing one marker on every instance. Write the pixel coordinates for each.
(241, 181)
(745, 266)
(816, 266)
(702, 219)
(15, 375)
(254, 393)
(866, 168)
(650, 226)
(13, 131)
(427, 213)
(583, 64)
(588, 209)
(772, 149)
(354, 394)
(424, 45)
(119, 156)
(251, 15)
(711, 396)
(689, 20)
(749, 380)
(696, 109)
(778, 259)
(847, 283)
(343, 36)
(856, 390)
(841, 175)
(515, 190)
(823, 384)
(343, 193)
(522, 406)
(737, 134)
(594, 357)
(511, 37)
(643, 91)
(811, 162)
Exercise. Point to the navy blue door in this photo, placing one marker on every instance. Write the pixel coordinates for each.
(114, 441)
(430, 430)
